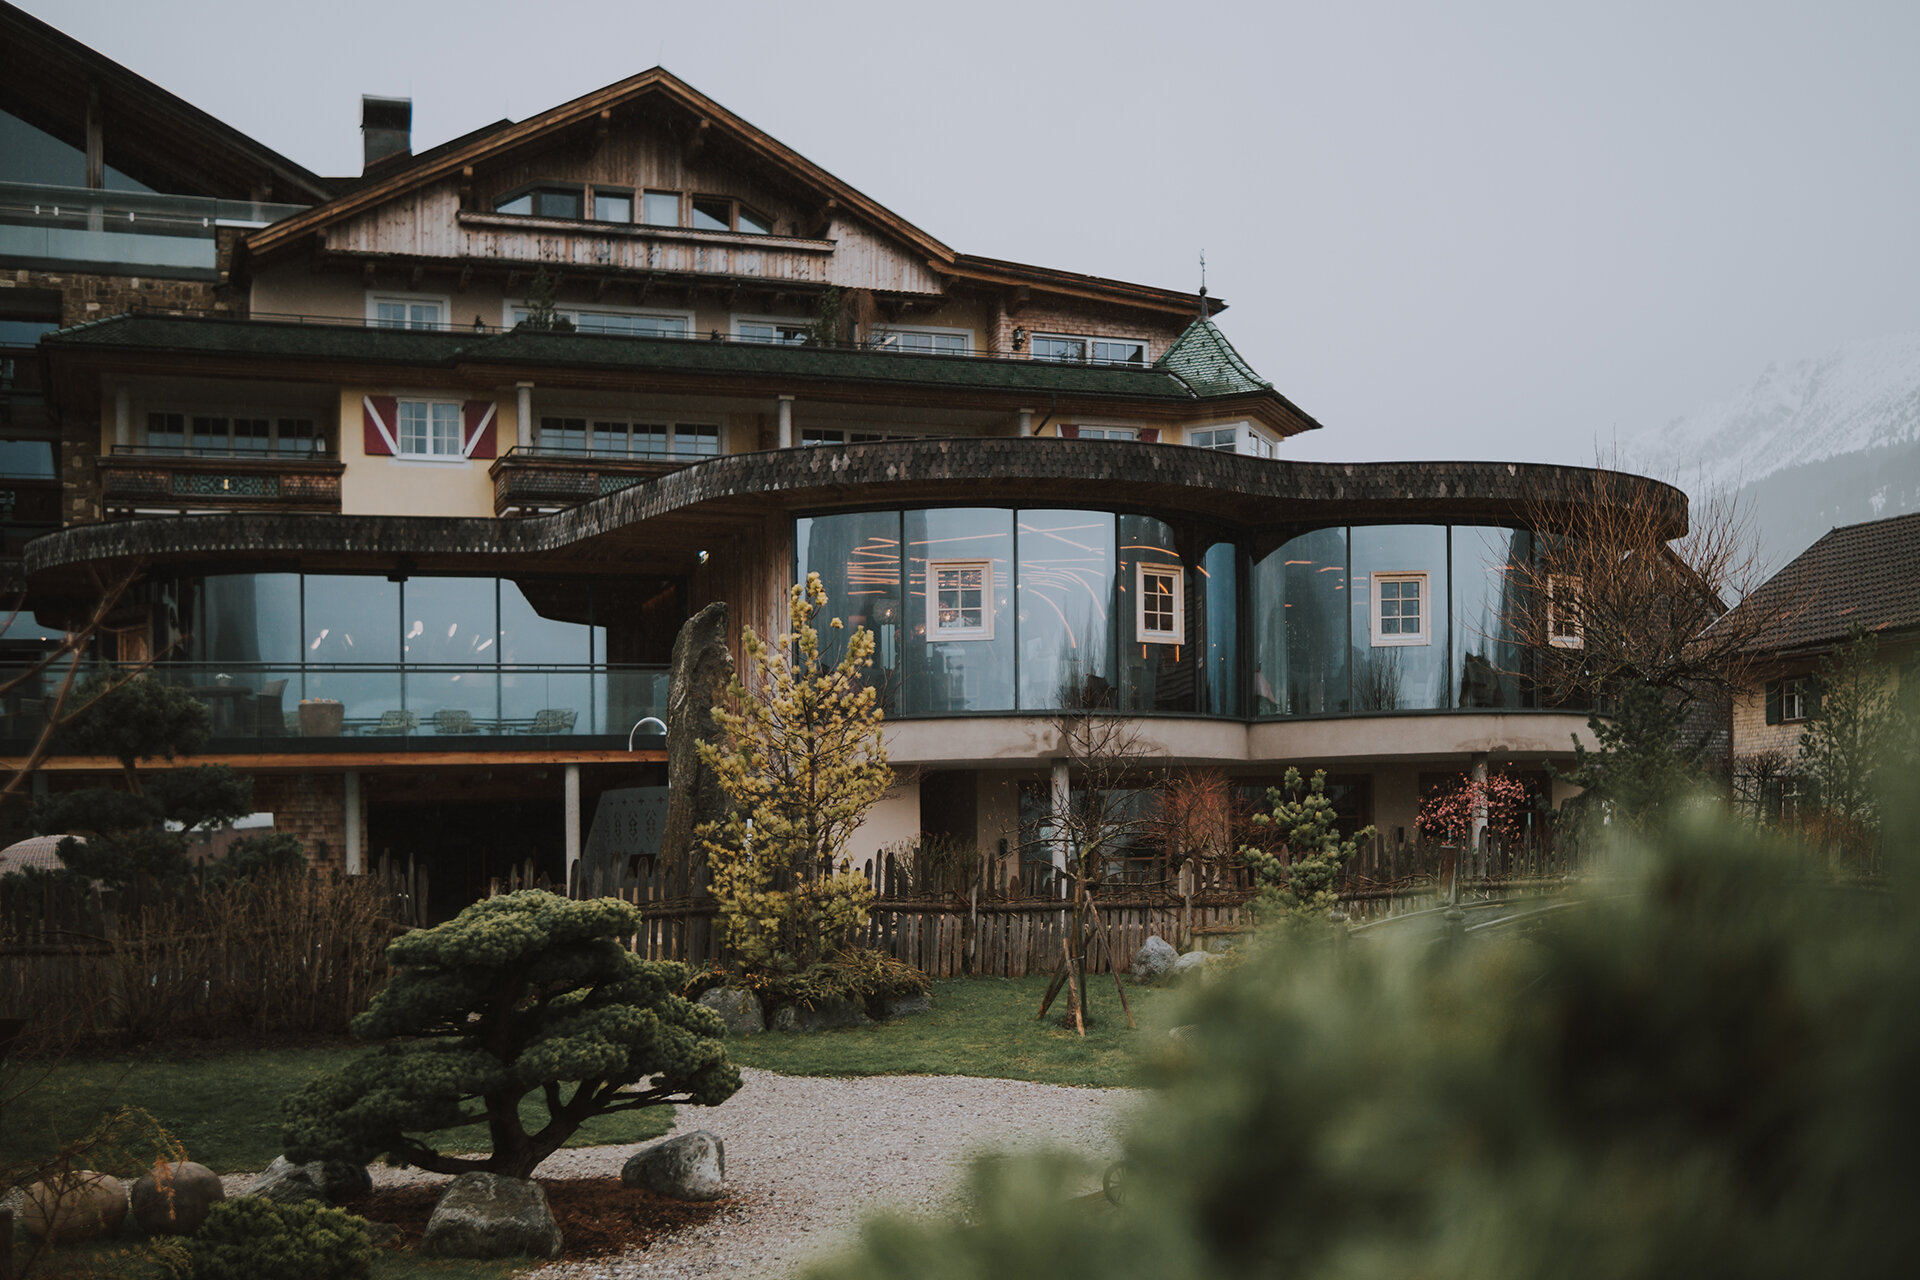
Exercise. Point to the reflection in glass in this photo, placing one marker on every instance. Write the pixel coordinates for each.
(971, 555)
(858, 559)
(1398, 593)
(449, 621)
(1218, 645)
(246, 617)
(1488, 653)
(353, 619)
(544, 622)
(1300, 648)
(1066, 593)
(1154, 675)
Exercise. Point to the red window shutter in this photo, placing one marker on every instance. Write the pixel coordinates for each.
(380, 425)
(477, 421)
(1149, 435)
(1069, 432)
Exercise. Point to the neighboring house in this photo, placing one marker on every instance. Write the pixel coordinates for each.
(420, 512)
(1864, 575)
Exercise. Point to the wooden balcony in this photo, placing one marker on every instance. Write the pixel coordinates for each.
(146, 482)
(528, 481)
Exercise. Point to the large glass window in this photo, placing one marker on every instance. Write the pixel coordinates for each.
(1300, 649)
(353, 620)
(1488, 648)
(1156, 663)
(858, 559)
(1065, 588)
(1219, 642)
(960, 589)
(1399, 572)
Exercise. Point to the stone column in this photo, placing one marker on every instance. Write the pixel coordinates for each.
(573, 824)
(356, 858)
(786, 422)
(122, 417)
(1026, 422)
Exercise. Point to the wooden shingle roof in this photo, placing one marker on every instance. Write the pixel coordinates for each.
(1866, 574)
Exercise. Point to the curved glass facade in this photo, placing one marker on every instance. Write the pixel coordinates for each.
(994, 609)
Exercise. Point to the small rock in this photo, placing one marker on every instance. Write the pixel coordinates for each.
(325, 1181)
(383, 1234)
(179, 1207)
(1152, 961)
(77, 1205)
(739, 1009)
(827, 1015)
(906, 1006)
(1188, 965)
(489, 1215)
(690, 1167)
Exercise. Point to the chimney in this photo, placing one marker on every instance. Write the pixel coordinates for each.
(386, 128)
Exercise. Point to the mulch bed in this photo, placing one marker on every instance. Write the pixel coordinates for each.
(597, 1216)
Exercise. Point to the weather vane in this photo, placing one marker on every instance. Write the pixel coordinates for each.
(1203, 273)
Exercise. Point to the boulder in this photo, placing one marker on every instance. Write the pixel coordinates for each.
(489, 1215)
(325, 1181)
(738, 1009)
(178, 1206)
(77, 1205)
(1153, 960)
(1190, 965)
(826, 1015)
(690, 1167)
(702, 665)
(906, 1006)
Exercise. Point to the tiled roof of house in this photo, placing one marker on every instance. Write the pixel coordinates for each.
(1860, 573)
(1204, 360)
(292, 341)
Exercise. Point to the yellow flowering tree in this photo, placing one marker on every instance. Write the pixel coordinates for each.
(803, 762)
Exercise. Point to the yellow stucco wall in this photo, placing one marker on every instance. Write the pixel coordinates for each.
(412, 486)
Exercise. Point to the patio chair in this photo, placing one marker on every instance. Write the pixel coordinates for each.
(553, 720)
(451, 720)
(397, 722)
(269, 717)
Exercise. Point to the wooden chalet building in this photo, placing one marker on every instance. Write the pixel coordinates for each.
(423, 488)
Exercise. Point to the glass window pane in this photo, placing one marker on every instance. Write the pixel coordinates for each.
(610, 439)
(1300, 646)
(1046, 348)
(756, 223)
(858, 559)
(166, 431)
(712, 215)
(1218, 645)
(27, 459)
(252, 435)
(209, 435)
(545, 622)
(564, 435)
(449, 622)
(698, 441)
(413, 426)
(973, 598)
(244, 618)
(446, 429)
(649, 440)
(1154, 676)
(1388, 676)
(612, 208)
(1065, 590)
(522, 203)
(557, 204)
(298, 436)
(662, 208)
(1489, 652)
(353, 620)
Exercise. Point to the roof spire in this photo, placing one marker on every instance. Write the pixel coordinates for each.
(1203, 284)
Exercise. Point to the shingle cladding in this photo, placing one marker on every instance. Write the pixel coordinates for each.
(1204, 360)
(520, 347)
(1867, 574)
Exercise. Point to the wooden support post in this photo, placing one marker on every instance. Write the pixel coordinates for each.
(1053, 988)
(1073, 988)
(1113, 960)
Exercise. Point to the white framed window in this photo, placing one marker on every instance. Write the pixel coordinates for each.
(1159, 609)
(625, 324)
(839, 435)
(915, 339)
(430, 429)
(1239, 439)
(1795, 704)
(1564, 630)
(660, 208)
(959, 600)
(605, 437)
(1109, 433)
(1401, 609)
(406, 311)
(780, 332)
(242, 433)
(1072, 349)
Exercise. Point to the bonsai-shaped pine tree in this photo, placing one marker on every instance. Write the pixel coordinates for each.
(1301, 887)
(803, 762)
(528, 993)
(125, 829)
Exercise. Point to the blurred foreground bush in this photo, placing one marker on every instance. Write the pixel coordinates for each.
(1704, 1066)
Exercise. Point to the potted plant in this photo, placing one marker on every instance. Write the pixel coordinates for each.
(321, 717)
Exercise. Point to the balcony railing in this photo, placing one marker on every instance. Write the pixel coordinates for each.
(546, 477)
(480, 708)
(161, 234)
(140, 479)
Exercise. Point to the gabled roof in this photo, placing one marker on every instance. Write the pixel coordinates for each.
(1866, 574)
(660, 87)
(152, 136)
(1204, 359)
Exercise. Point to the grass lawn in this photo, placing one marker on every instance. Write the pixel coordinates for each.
(979, 1027)
(225, 1108)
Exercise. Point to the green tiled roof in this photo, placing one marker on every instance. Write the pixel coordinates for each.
(319, 341)
(1204, 360)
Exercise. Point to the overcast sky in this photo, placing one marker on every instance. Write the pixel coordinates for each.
(1510, 231)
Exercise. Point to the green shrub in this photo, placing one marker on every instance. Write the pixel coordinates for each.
(250, 1238)
(859, 974)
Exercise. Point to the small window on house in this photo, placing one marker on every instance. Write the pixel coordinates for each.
(1796, 699)
(563, 435)
(407, 313)
(209, 434)
(944, 342)
(252, 435)
(1109, 433)
(1160, 611)
(661, 208)
(612, 206)
(1047, 347)
(699, 441)
(959, 600)
(789, 333)
(711, 214)
(545, 202)
(166, 431)
(299, 436)
(1108, 351)
(756, 223)
(1400, 609)
(1564, 629)
(429, 429)
(1219, 439)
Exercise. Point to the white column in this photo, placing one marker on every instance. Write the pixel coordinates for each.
(122, 416)
(523, 412)
(1479, 799)
(356, 859)
(573, 821)
(1061, 812)
(1026, 422)
(786, 422)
